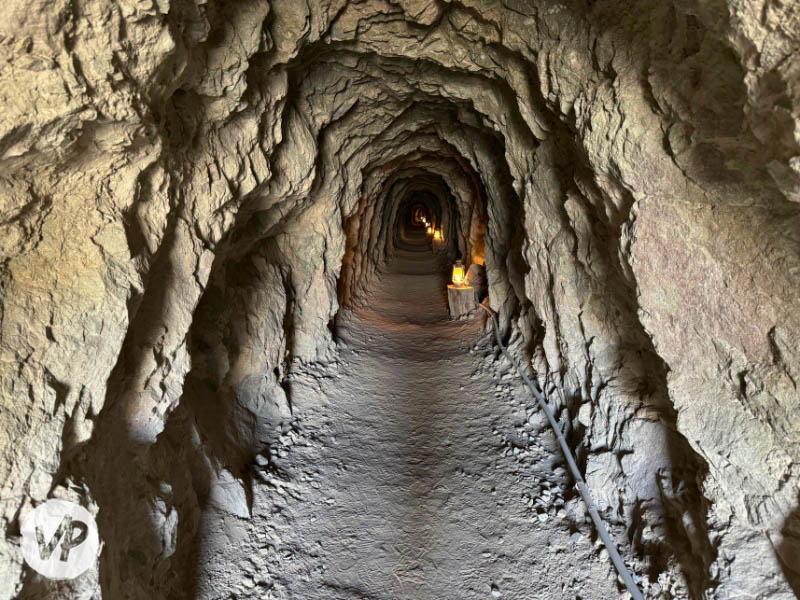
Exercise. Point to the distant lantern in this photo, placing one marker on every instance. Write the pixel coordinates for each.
(437, 235)
(459, 274)
(430, 230)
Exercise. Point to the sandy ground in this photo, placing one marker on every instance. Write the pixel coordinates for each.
(414, 468)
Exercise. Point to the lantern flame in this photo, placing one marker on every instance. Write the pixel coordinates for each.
(459, 275)
(437, 235)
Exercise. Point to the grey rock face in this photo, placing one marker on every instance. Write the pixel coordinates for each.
(190, 191)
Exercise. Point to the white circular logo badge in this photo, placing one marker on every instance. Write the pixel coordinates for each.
(60, 539)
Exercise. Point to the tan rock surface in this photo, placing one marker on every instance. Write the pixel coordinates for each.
(189, 191)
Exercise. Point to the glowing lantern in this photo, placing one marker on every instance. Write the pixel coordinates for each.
(418, 215)
(459, 275)
(430, 230)
(437, 235)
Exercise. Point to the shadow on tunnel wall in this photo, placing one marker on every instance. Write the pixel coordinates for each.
(674, 507)
(233, 397)
(152, 497)
(712, 143)
(136, 485)
(787, 550)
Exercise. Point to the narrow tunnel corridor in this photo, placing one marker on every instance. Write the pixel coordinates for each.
(386, 484)
(247, 254)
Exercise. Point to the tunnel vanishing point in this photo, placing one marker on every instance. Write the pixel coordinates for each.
(224, 327)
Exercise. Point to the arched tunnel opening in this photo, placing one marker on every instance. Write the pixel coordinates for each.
(415, 224)
(248, 257)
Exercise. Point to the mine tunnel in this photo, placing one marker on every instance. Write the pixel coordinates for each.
(400, 299)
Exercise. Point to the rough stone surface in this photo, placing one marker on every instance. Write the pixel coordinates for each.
(395, 479)
(190, 191)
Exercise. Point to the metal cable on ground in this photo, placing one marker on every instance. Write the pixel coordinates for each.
(622, 569)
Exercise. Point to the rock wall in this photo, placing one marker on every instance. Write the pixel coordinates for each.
(189, 189)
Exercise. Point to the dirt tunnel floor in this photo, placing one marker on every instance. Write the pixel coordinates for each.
(415, 468)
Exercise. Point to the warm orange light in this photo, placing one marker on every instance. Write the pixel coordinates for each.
(430, 229)
(459, 276)
(437, 235)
